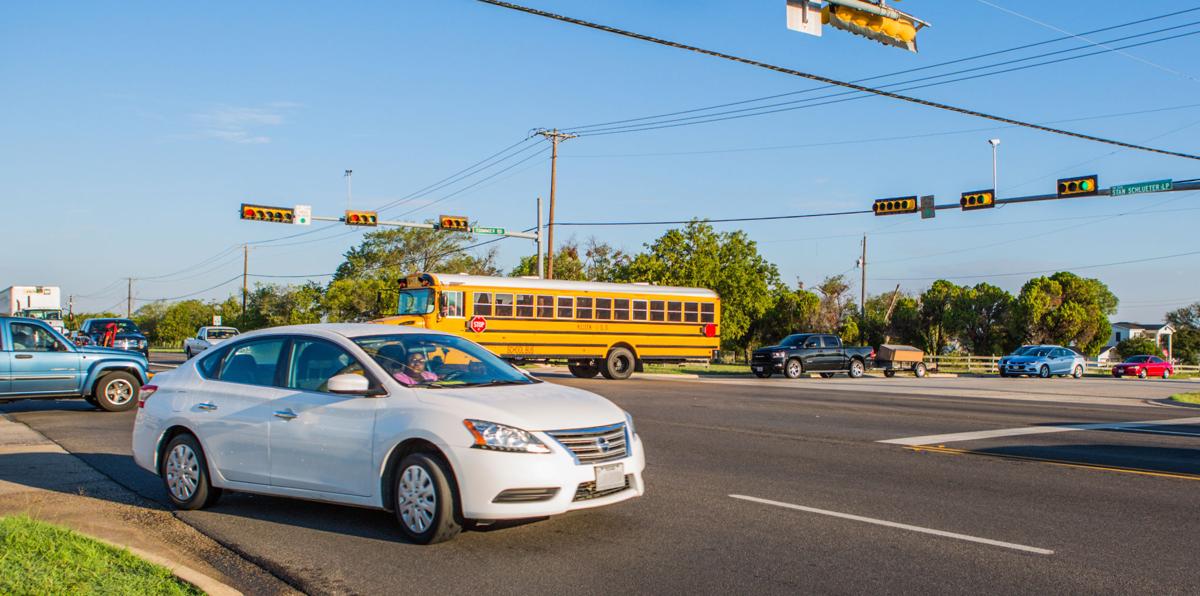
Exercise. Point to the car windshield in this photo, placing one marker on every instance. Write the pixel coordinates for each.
(435, 361)
(1137, 359)
(415, 302)
(794, 340)
(43, 314)
(123, 326)
(1024, 350)
(221, 333)
(1039, 352)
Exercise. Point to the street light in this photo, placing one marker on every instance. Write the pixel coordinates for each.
(995, 143)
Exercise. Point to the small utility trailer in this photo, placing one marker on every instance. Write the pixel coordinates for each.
(893, 357)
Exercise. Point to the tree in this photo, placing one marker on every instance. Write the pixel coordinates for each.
(567, 265)
(273, 305)
(358, 300)
(901, 327)
(792, 311)
(1135, 346)
(933, 316)
(726, 262)
(600, 262)
(979, 317)
(1065, 309)
(1185, 343)
(835, 307)
(394, 252)
(181, 320)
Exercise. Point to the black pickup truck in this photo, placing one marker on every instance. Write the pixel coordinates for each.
(802, 353)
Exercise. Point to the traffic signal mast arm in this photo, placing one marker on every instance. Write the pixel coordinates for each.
(1104, 192)
(427, 226)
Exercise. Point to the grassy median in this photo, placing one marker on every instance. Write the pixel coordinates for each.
(1187, 398)
(699, 369)
(40, 558)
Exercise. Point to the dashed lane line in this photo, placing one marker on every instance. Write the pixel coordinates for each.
(1034, 430)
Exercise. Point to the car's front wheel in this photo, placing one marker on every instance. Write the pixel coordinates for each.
(426, 501)
(763, 374)
(793, 369)
(185, 474)
(1044, 372)
(1078, 372)
(1166, 374)
(117, 391)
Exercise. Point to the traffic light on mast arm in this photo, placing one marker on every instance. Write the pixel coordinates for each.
(1080, 186)
(977, 199)
(361, 218)
(895, 206)
(454, 223)
(899, 29)
(265, 213)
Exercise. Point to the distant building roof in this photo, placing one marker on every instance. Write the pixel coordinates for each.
(1140, 326)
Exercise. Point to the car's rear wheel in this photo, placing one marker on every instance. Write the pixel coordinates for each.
(583, 370)
(1044, 372)
(1078, 372)
(856, 369)
(185, 474)
(187, 352)
(618, 365)
(793, 369)
(1142, 373)
(426, 501)
(117, 391)
(919, 370)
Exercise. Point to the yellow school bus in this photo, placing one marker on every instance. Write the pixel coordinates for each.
(598, 328)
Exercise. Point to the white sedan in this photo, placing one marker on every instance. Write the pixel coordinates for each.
(426, 424)
(206, 338)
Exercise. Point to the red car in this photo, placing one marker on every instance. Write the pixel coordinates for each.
(1144, 366)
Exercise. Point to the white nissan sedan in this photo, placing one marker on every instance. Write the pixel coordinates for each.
(426, 424)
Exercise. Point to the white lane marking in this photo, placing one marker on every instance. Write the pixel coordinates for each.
(881, 522)
(1032, 430)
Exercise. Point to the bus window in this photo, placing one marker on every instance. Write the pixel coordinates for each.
(504, 305)
(706, 313)
(525, 306)
(415, 302)
(674, 312)
(583, 308)
(545, 307)
(691, 312)
(603, 309)
(621, 309)
(566, 307)
(656, 310)
(483, 304)
(639, 310)
(452, 304)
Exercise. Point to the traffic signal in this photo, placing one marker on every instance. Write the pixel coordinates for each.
(265, 213)
(1080, 186)
(454, 223)
(898, 29)
(361, 218)
(977, 199)
(894, 206)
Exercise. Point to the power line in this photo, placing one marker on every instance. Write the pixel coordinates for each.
(896, 73)
(831, 81)
(189, 295)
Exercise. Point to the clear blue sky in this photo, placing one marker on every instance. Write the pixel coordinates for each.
(132, 132)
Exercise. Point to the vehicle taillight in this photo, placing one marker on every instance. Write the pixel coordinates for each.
(146, 392)
(872, 353)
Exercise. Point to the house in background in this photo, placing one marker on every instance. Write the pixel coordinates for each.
(1161, 334)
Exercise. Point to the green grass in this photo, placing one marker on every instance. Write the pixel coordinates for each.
(1187, 398)
(40, 558)
(698, 369)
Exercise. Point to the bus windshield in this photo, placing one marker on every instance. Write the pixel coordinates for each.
(415, 302)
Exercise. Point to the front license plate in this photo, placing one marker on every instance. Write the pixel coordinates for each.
(757, 369)
(610, 476)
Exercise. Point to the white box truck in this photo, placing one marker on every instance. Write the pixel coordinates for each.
(37, 302)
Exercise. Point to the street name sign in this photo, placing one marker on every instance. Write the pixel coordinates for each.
(487, 230)
(1141, 187)
(928, 210)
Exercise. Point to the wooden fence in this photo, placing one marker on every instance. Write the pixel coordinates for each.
(987, 364)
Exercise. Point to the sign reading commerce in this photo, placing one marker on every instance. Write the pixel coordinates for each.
(1141, 187)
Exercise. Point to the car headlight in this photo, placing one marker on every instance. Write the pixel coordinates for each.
(779, 354)
(629, 424)
(498, 437)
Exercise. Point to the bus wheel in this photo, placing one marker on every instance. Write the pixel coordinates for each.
(618, 365)
(583, 370)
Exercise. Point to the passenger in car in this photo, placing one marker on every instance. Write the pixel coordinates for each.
(414, 372)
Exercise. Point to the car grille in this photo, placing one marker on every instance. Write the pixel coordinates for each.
(594, 445)
(761, 358)
(587, 490)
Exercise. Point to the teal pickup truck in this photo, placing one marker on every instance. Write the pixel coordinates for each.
(37, 362)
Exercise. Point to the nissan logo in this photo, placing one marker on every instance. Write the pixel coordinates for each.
(603, 445)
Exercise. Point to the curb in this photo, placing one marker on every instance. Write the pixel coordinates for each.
(181, 572)
(1170, 403)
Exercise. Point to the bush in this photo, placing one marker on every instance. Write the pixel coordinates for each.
(1135, 346)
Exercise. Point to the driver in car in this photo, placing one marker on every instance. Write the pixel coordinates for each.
(414, 372)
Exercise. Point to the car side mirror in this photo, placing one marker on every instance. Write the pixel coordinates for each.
(349, 384)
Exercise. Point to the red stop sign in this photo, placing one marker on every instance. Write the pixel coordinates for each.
(478, 324)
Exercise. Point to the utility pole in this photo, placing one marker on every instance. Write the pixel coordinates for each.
(555, 137)
(863, 288)
(129, 300)
(70, 310)
(245, 274)
(349, 175)
(541, 273)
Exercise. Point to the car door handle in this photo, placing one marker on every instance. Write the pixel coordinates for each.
(24, 356)
(285, 414)
(206, 406)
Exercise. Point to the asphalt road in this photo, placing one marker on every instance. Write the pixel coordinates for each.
(822, 505)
